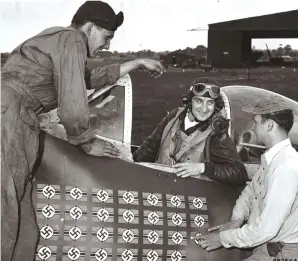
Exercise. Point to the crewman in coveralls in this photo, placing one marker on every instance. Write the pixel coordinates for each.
(46, 72)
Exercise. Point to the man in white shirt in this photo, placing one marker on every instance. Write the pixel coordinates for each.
(269, 204)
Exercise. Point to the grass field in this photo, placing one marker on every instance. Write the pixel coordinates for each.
(152, 98)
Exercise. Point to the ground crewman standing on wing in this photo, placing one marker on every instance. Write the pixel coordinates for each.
(45, 72)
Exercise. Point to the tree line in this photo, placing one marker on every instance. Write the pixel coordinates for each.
(199, 52)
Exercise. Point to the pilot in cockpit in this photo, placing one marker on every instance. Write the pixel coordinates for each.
(194, 139)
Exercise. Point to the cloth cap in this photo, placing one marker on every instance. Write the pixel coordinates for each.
(267, 106)
(99, 13)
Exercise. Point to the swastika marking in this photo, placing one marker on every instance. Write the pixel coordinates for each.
(128, 197)
(46, 232)
(175, 201)
(153, 237)
(102, 195)
(152, 199)
(101, 255)
(74, 253)
(197, 203)
(128, 236)
(76, 193)
(44, 253)
(48, 211)
(128, 216)
(196, 240)
(127, 255)
(176, 256)
(152, 255)
(103, 215)
(153, 218)
(199, 221)
(177, 219)
(48, 191)
(76, 213)
(177, 238)
(102, 234)
(75, 233)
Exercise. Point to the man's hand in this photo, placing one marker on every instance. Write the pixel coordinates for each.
(226, 226)
(101, 148)
(209, 242)
(189, 169)
(155, 67)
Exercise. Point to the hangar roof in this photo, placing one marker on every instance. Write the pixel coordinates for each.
(278, 21)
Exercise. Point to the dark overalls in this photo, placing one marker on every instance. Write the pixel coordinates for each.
(45, 72)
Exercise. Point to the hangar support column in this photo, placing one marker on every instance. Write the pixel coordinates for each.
(246, 48)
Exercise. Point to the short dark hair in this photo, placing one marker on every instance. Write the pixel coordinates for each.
(284, 119)
(78, 24)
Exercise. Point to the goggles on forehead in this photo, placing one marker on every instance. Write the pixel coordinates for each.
(201, 88)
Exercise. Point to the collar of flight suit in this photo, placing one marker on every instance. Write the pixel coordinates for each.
(85, 38)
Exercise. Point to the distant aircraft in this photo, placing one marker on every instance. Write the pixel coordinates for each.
(280, 60)
(95, 209)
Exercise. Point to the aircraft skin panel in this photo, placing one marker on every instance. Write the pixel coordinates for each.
(115, 117)
(63, 166)
(111, 105)
(109, 111)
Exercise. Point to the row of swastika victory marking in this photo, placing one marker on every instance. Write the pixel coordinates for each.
(106, 215)
(47, 253)
(105, 235)
(125, 197)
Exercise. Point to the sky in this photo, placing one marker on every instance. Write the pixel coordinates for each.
(158, 25)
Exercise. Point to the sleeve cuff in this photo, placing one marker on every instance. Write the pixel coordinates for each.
(224, 239)
(86, 147)
(85, 136)
(209, 169)
(113, 73)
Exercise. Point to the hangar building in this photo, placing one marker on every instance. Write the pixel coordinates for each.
(177, 58)
(229, 43)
